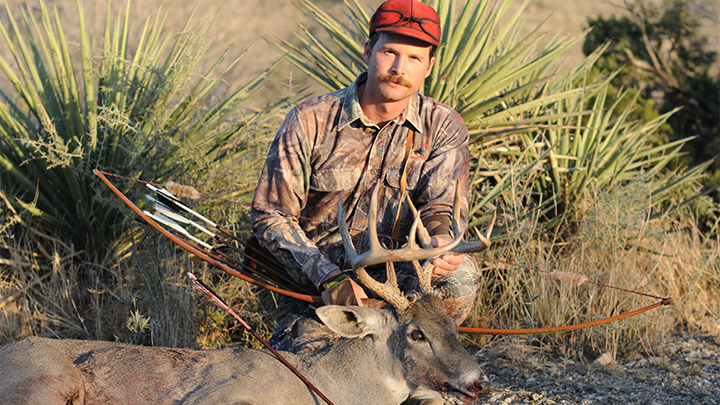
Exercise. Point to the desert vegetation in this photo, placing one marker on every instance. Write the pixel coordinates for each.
(587, 173)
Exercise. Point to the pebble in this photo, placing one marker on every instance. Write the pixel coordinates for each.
(687, 371)
(604, 359)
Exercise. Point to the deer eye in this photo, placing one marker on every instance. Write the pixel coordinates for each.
(417, 335)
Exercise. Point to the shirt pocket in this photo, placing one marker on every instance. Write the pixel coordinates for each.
(333, 180)
(413, 169)
(392, 179)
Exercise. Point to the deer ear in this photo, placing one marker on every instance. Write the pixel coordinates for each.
(351, 321)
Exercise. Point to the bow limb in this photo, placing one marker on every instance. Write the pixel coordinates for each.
(555, 329)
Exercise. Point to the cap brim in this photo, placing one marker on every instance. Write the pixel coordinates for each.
(410, 32)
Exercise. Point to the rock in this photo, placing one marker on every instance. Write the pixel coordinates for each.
(604, 359)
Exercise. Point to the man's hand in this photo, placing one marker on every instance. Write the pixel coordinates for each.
(346, 292)
(446, 263)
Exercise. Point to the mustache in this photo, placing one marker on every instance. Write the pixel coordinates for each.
(395, 79)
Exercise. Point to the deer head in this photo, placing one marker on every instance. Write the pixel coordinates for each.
(426, 337)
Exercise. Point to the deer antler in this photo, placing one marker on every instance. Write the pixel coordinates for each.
(425, 272)
(376, 254)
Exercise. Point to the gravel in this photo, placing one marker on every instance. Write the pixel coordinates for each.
(688, 373)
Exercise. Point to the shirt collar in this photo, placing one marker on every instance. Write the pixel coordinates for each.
(352, 110)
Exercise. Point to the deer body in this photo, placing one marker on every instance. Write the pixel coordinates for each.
(379, 358)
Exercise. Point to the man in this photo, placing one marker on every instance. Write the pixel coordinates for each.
(379, 132)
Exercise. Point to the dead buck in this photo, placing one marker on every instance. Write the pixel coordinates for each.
(380, 357)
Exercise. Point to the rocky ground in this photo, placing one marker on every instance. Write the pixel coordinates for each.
(688, 374)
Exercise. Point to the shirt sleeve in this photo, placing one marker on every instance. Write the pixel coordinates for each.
(280, 197)
(447, 163)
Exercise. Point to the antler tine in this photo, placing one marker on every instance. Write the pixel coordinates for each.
(377, 254)
(424, 273)
(389, 290)
(342, 226)
(483, 242)
(422, 232)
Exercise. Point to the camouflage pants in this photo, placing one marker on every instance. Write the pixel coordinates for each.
(300, 330)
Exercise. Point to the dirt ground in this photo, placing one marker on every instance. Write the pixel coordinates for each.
(688, 374)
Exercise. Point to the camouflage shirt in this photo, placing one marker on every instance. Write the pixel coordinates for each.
(327, 147)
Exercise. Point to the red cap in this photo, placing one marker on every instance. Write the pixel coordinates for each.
(407, 17)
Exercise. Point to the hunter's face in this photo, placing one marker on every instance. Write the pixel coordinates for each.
(397, 66)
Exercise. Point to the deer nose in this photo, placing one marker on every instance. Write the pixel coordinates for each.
(482, 388)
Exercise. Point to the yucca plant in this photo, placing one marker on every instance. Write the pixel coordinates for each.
(606, 150)
(525, 116)
(112, 109)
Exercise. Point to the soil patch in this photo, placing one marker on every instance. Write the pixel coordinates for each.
(689, 373)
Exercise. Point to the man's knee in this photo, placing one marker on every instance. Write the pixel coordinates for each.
(458, 290)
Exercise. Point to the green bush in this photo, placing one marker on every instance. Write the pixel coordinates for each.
(663, 53)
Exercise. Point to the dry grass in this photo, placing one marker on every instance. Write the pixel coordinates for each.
(608, 244)
(71, 299)
(142, 295)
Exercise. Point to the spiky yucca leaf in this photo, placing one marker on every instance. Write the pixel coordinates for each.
(607, 150)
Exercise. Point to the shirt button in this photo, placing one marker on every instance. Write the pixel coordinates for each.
(373, 172)
(363, 207)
